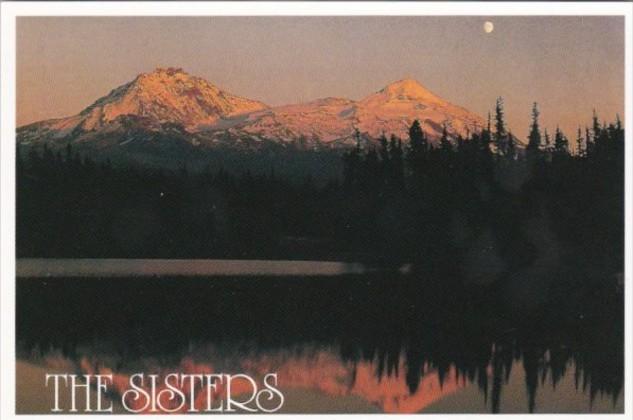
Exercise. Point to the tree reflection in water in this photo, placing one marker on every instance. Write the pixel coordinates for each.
(398, 342)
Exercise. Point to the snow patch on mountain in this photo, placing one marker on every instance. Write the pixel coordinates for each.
(169, 98)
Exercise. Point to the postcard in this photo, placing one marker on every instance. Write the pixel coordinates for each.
(292, 208)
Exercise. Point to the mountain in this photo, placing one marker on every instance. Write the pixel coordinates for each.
(169, 110)
(391, 110)
(165, 96)
(394, 108)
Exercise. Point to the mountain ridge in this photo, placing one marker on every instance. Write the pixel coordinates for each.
(209, 115)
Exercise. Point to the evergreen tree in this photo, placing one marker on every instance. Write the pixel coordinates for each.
(600, 136)
(486, 137)
(417, 139)
(596, 129)
(418, 149)
(589, 144)
(351, 163)
(461, 143)
(561, 145)
(501, 136)
(580, 149)
(384, 148)
(397, 161)
(619, 133)
(511, 146)
(372, 173)
(548, 141)
(445, 144)
(534, 138)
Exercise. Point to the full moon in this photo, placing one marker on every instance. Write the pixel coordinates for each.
(488, 27)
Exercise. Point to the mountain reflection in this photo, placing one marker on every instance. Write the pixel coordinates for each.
(397, 387)
(398, 344)
(324, 372)
(387, 390)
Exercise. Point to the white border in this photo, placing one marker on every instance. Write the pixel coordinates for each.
(313, 8)
(9, 12)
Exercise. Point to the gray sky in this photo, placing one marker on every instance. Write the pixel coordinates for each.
(568, 64)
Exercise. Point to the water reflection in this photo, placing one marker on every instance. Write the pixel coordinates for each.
(324, 373)
(398, 345)
(327, 373)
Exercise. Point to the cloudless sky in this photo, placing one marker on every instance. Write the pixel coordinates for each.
(568, 64)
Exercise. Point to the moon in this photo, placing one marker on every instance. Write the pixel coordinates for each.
(488, 27)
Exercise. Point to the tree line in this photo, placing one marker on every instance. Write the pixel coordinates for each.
(481, 201)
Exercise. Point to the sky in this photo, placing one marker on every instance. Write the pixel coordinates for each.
(568, 64)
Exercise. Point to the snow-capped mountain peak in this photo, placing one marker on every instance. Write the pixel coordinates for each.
(167, 95)
(407, 89)
(169, 99)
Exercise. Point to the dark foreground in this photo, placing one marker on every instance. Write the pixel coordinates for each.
(352, 343)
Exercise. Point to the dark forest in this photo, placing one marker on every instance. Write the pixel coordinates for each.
(485, 201)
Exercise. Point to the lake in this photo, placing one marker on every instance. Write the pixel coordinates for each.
(342, 337)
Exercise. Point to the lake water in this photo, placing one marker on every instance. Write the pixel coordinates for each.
(90, 268)
(341, 337)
